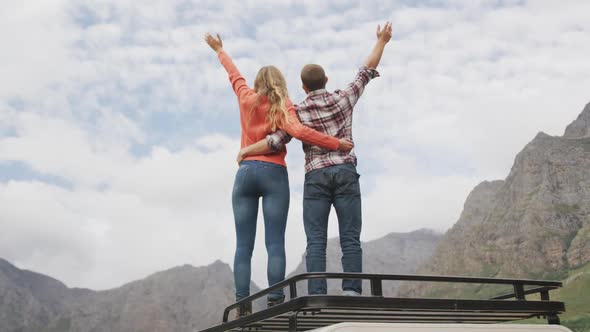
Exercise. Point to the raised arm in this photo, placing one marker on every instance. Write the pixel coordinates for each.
(383, 37)
(366, 73)
(238, 82)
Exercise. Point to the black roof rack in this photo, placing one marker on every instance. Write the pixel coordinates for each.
(302, 313)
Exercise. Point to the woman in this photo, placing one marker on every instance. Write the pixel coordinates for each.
(263, 110)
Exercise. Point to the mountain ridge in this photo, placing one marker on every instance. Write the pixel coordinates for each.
(580, 127)
(534, 223)
(181, 298)
(162, 299)
(393, 253)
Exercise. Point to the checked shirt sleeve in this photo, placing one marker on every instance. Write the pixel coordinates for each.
(355, 89)
(277, 140)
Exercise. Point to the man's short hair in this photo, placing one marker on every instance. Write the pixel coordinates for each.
(313, 77)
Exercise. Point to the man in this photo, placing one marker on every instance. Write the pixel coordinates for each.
(331, 177)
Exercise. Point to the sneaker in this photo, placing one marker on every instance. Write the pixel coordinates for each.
(272, 302)
(350, 293)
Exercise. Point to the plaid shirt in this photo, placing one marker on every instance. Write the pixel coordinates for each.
(329, 113)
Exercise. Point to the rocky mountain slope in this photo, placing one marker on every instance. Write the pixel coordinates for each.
(28, 300)
(580, 128)
(535, 223)
(395, 253)
(183, 298)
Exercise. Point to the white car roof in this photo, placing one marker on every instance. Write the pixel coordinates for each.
(399, 327)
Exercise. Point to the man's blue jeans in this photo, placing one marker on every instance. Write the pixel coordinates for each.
(339, 186)
(270, 181)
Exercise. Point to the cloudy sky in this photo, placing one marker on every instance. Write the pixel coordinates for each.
(118, 128)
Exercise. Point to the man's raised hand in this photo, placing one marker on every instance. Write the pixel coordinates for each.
(384, 35)
(215, 43)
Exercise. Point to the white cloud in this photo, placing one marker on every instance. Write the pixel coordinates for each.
(35, 41)
(464, 86)
(161, 210)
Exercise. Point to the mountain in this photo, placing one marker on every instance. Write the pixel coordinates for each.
(580, 128)
(184, 298)
(395, 253)
(533, 224)
(28, 300)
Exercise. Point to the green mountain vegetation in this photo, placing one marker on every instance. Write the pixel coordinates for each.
(576, 295)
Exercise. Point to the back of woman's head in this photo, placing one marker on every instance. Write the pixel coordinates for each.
(271, 83)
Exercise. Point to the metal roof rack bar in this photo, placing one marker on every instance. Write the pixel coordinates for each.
(302, 313)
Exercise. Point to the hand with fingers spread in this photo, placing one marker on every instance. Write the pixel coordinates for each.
(215, 43)
(384, 35)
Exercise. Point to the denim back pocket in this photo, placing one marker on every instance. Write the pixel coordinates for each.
(316, 184)
(349, 168)
(241, 176)
(276, 173)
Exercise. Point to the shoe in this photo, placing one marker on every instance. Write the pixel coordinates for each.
(245, 312)
(350, 293)
(272, 302)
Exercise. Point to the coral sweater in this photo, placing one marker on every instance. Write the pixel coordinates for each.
(254, 124)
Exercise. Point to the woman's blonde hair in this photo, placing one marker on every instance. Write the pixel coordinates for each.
(271, 83)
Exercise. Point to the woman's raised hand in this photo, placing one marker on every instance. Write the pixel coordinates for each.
(215, 43)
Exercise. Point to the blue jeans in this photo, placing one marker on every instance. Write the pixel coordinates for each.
(270, 181)
(339, 186)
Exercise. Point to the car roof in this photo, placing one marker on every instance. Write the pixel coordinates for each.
(395, 327)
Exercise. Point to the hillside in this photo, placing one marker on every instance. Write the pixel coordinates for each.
(28, 300)
(576, 295)
(183, 298)
(533, 224)
(395, 253)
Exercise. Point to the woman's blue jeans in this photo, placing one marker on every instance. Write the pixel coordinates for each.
(256, 179)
